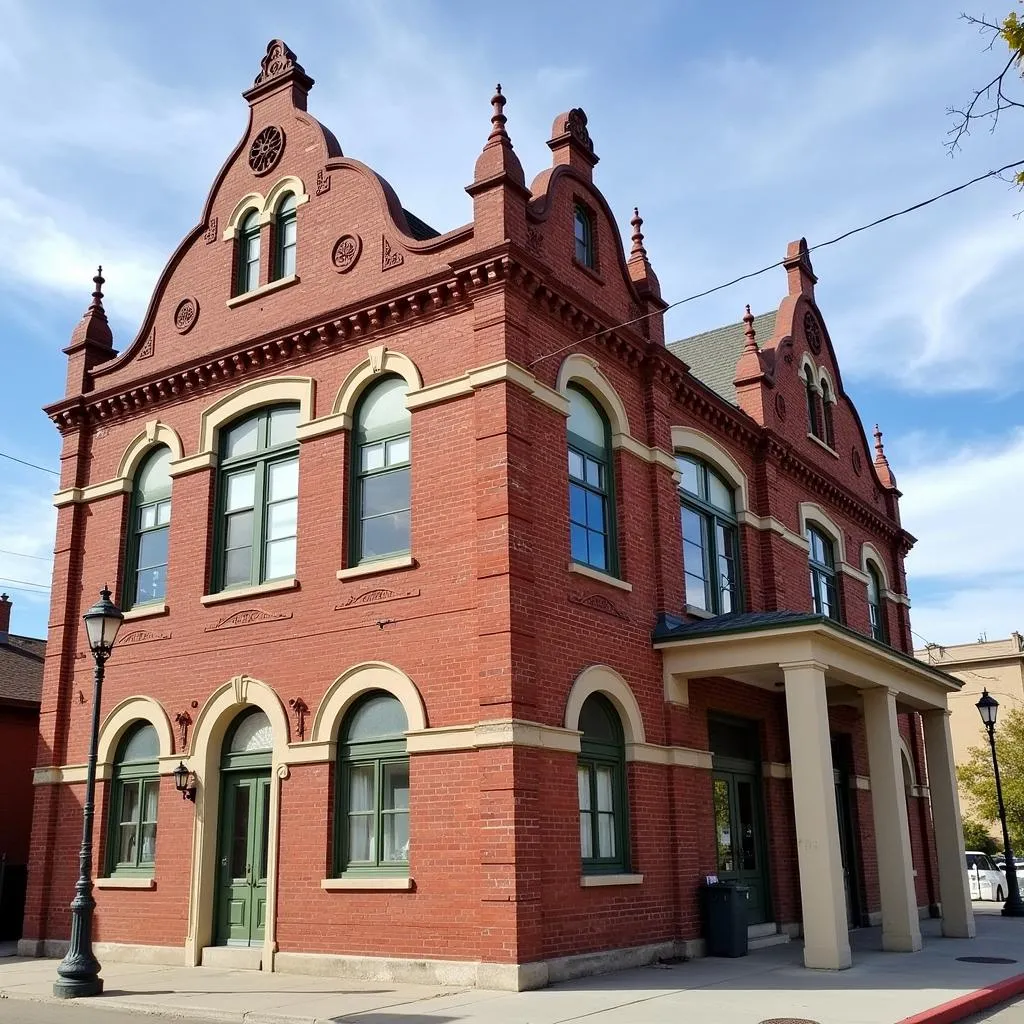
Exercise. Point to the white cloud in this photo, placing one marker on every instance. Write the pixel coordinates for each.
(27, 526)
(963, 615)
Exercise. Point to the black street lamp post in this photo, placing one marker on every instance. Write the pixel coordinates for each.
(988, 707)
(79, 971)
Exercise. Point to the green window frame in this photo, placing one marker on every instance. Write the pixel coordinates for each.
(601, 789)
(285, 236)
(371, 801)
(822, 562)
(257, 520)
(149, 526)
(711, 555)
(248, 276)
(583, 230)
(592, 526)
(876, 610)
(812, 401)
(134, 803)
(380, 513)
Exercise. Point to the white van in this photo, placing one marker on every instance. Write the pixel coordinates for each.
(987, 882)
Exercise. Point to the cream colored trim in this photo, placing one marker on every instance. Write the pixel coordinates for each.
(824, 375)
(250, 201)
(323, 426)
(869, 553)
(586, 371)
(263, 290)
(676, 687)
(601, 577)
(776, 526)
(678, 757)
(309, 753)
(696, 442)
(862, 782)
(594, 881)
(374, 568)
(155, 434)
(192, 464)
(443, 391)
(67, 496)
(605, 680)
(93, 492)
(124, 882)
(127, 713)
(482, 376)
(379, 362)
(504, 732)
(255, 395)
(698, 613)
(656, 456)
(289, 183)
(908, 764)
(852, 572)
(811, 512)
(921, 791)
(903, 599)
(238, 593)
(351, 684)
(366, 884)
(806, 361)
(823, 444)
(776, 770)
(145, 611)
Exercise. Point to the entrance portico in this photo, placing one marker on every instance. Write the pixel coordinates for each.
(819, 663)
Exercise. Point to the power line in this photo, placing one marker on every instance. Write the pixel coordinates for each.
(31, 465)
(27, 583)
(24, 590)
(21, 554)
(779, 263)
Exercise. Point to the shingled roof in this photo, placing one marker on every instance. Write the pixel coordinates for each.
(21, 670)
(712, 356)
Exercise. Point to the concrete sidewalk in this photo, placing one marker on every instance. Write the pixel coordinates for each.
(880, 988)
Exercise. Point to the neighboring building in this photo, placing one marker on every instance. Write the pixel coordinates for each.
(21, 686)
(488, 630)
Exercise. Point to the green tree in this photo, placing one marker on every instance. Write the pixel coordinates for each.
(976, 837)
(1002, 92)
(978, 781)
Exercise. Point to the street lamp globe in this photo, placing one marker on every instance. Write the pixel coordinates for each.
(988, 708)
(102, 621)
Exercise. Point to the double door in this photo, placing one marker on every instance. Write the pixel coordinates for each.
(739, 836)
(242, 858)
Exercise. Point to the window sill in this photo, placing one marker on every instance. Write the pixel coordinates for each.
(125, 882)
(401, 884)
(821, 444)
(590, 881)
(698, 613)
(239, 593)
(264, 289)
(601, 577)
(381, 565)
(145, 611)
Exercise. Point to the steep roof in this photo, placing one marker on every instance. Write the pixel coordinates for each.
(712, 355)
(21, 670)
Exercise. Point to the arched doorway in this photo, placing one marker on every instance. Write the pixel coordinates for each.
(241, 902)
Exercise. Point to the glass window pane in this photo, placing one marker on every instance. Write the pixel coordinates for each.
(360, 788)
(599, 720)
(575, 464)
(690, 475)
(252, 734)
(584, 419)
(595, 511)
(379, 717)
(283, 480)
(154, 478)
(282, 519)
(386, 492)
(126, 847)
(605, 787)
(371, 457)
(578, 543)
(239, 530)
(141, 744)
(361, 838)
(280, 559)
(385, 535)
(147, 517)
(593, 473)
(150, 798)
(697, 592)
(598, 550)
(382, 412)
(723, 825)
(694, 526)
(163, 513)
(283, 421)
(288, 261)
(398, 451)
(577, 504)
(238, 566)
(395, 834)
(720, 495)
(745, 824)
(151, 584)
(240, 833)
(147, 851)
(241, 490)
(396, 785)
(606, 835)
(153, 548)
(583, 786)
(586, 835)
(241, 439)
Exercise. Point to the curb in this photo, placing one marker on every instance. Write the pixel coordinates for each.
(964, 1006)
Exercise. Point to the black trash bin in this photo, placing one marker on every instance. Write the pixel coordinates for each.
(724, 906)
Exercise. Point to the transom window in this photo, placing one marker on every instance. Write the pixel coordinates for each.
(591, 519)
(381, 525)
(135, 795)
(285, 237)
(823, 574)
(583, 227)
(601, 787)
(259, 490)
(710, 546)
(146, 576)
(248, 254)
(876, 611)
(372, 819)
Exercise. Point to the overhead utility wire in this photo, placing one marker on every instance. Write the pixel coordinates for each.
(22, 554)
(31, 465)
(779, 263)
(25, 590)
(27, 583)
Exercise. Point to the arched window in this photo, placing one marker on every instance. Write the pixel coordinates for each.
(150, 523)
(381, 510)
(601, 785)
(583, 226)
(248, 254)
(285, 237)
(591, 509)
(710, 549)
(259, 487)
(827, 401)
(133, 803)
(812, 401)
(823, 574)
(876, 611)
(372, 802)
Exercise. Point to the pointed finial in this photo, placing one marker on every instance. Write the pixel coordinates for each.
(879, 449)
(750, 345)
(498, 118)
(882, 468)
(97, 295)
(638, 238)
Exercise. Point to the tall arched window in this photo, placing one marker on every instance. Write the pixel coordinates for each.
(812, 401)
(823, 574)
(827, 401)
(259, 488)
(381, 510)
(150, 522)
(135, 792)
(583, 227)
(591, 508)
(601, 786)
(710, 549)
(248, 254)
(285, 237)
(372, 802)
(876, 611)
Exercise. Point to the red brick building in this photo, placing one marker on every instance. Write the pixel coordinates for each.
(488, 624)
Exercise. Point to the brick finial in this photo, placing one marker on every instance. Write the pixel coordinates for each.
(497, 162)
(641, 272)
(750, 345)
(93, 329)
(885, 474)
(498, 118)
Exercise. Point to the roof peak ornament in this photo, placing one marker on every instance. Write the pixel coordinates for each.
(93, 329)
(278, 61)
(885, 474)
(750, 345)
(497, 161)
(637, 238)
(498, 118)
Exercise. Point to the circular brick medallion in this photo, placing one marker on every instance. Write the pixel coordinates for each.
(780, 406)
(855, 459)
(812, 332)
(266, 150)
(186, 314)
(346, 252)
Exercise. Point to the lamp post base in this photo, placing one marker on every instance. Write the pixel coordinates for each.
(76, 988)
(1013, 909)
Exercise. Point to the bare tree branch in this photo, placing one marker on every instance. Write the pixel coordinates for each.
(993, 95)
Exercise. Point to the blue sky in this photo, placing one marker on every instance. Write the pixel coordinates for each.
(735, 129)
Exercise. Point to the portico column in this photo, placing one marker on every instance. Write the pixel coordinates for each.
(826, 938)
(957, 913)
(901, 926)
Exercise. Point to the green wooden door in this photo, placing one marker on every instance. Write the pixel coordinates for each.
(242, 860)
(739, 837)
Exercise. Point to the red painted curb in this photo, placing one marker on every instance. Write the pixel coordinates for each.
(982, 999)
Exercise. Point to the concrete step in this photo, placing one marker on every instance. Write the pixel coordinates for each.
(755, 931)
(765, 941)
(233, 958)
